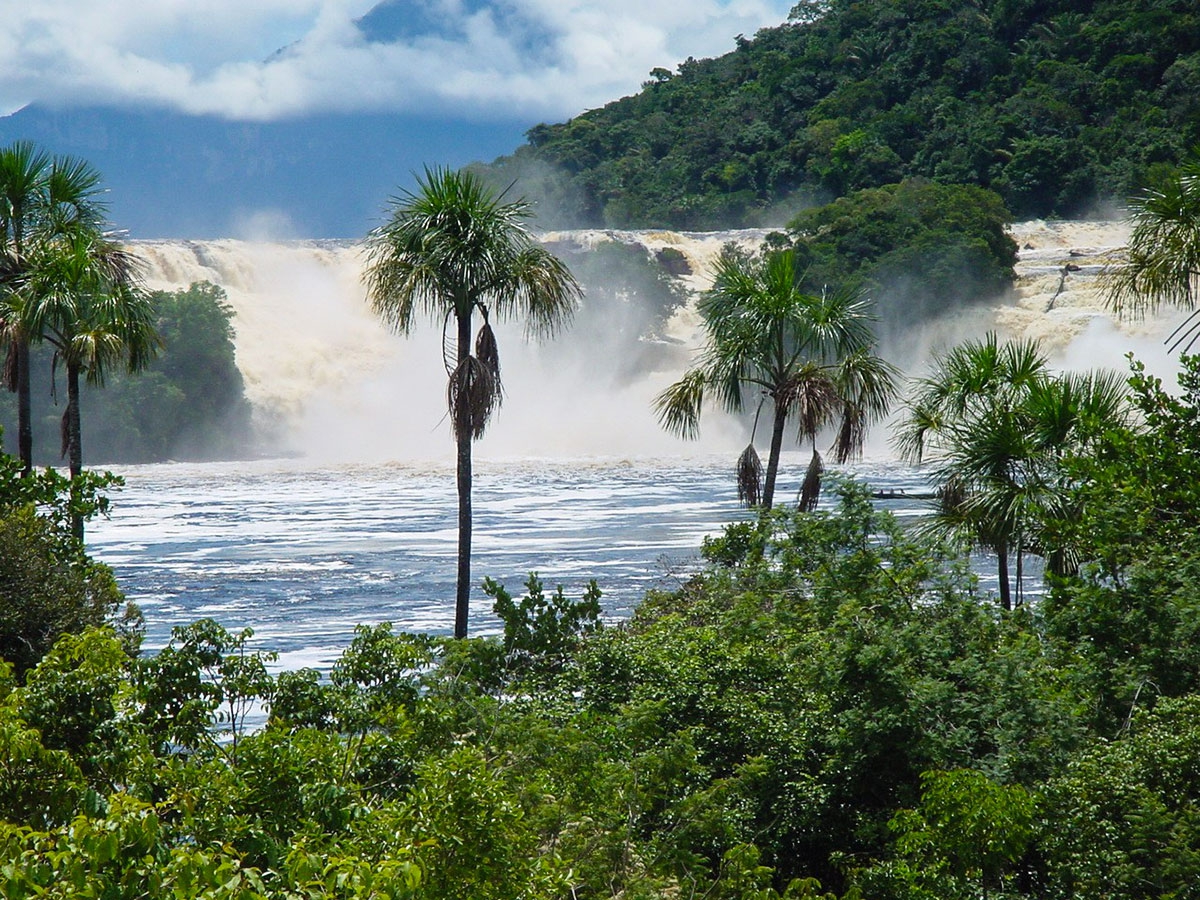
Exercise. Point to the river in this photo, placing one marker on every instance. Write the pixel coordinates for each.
(302, 553)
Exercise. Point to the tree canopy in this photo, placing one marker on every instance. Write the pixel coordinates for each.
(1052, 105)
(188, 402)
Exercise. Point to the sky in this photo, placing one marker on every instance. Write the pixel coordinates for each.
(271, 60)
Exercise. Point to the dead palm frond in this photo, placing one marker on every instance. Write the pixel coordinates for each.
(749, 477)
(472, 395)
(488, 352)
(810, 490)
(811, 398)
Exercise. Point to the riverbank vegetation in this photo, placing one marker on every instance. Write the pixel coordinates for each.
(188, 402)
(828, 708)
(1052, 105)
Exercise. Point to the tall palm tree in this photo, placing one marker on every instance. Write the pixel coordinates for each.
(997, 424)
(41, 199)
(85, 299)
(450, 249)
(1163, 261)
(809, 355)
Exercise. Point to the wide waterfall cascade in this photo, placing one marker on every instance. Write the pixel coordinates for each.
(315, 357)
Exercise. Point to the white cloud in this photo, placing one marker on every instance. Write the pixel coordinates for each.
(218, 56)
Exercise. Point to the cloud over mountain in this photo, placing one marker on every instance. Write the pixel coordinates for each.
(274, 59)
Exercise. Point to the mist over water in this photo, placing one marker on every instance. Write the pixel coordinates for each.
(575, 478)
(334, 385)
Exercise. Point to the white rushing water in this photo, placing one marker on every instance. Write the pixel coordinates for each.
(576, 479)
(303, 552)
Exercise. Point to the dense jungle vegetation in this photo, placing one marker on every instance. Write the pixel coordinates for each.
(829, 708)
(188, 402)
(1052, 104)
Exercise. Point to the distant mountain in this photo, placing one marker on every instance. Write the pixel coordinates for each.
(1054, 104)
(404, 20)
(181, 176)
(173, 175)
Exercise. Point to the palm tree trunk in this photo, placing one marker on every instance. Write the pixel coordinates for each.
(1020, 601)
(1005, 589)
(24, 408)
(773, 457)
(463, 431)
(74, 443)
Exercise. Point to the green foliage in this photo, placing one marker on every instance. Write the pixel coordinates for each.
(203, 684)
(48, 584)
(826, 705)
(39, 787)
(1050, 105)
(921, 249)
(53, 495)
(539, 631)
(1124, 819)
(48, 587)
(188, 402)
(77, 698)
(967, 831)
(827, 662)
(1129, 621)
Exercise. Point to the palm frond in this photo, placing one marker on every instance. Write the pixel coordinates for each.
(867, 388)
(810, 490)
(488, 352)
(1163, 255)
(472, 396)
(678, 407)
(749, 477)
(839, 323)
(537, 286)
(454, 243)
(913, 431)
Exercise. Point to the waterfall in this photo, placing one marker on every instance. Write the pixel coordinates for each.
(315, 357)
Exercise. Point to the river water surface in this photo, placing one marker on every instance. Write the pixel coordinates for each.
(302, 553)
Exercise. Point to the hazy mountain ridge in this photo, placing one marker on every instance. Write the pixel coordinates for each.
(175, 175)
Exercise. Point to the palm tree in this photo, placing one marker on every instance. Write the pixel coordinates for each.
(998, 423)
(450, 249)
(41, 199)
(1163, 264)
(85, 299)
(809, 355)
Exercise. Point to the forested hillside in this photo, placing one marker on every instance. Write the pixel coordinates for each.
(1053, 104)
